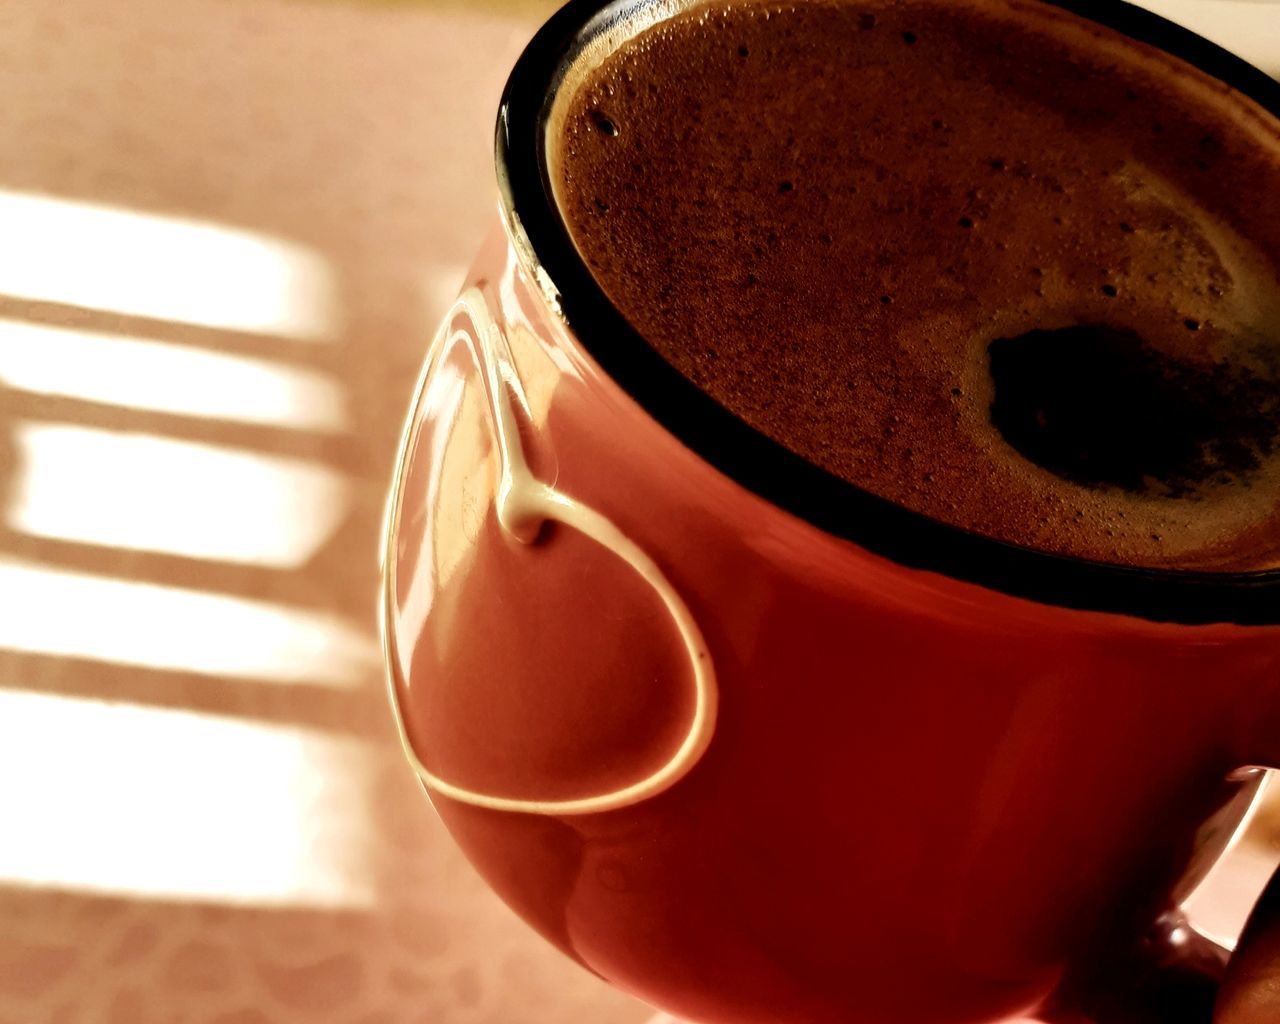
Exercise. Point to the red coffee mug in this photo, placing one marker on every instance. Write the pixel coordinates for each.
(751, 743)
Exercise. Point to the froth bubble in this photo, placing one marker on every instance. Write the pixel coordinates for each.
(605, 125)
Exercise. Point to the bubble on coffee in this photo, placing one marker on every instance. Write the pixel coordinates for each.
(992, 262)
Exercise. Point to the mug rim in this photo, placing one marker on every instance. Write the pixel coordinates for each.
(767, 468)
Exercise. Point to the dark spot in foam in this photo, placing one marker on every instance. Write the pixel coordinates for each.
(909, 38)
(1109, 290)
(604, 124)
(1096, 405)
(1126, 227)
(743, 52)
(785, 186)
(966, 222)
(1191, 325)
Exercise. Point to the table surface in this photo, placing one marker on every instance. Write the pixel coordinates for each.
(226, 229)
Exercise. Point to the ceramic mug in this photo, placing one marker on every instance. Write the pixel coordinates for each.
(752, 743)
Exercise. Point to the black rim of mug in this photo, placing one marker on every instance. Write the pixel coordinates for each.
(774, 472)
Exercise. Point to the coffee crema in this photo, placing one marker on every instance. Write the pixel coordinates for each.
(988, 260)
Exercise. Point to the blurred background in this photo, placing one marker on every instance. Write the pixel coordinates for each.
(227, 230)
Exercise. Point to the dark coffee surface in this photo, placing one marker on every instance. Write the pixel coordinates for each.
(994, 263)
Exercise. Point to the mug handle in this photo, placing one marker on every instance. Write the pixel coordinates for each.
(1176, 939)
(1175, 974)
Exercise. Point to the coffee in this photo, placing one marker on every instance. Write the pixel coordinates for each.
(983, 258)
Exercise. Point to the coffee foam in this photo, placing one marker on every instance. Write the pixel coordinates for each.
(825, 214)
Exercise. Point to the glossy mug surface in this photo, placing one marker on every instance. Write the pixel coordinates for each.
(744, 741)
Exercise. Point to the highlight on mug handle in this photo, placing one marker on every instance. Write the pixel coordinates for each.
(524, 503)
(1180, 935)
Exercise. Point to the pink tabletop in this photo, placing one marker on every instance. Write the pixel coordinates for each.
(227, 228)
